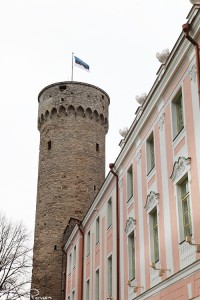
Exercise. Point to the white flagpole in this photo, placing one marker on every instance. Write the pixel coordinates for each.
(72, 66)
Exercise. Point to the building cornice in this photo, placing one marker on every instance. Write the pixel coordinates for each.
(176, 57)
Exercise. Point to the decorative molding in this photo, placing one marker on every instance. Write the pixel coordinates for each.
(138, 155)
(179, 167)
(130, 225)
(152, 201)
(161, 121)
(192, 71)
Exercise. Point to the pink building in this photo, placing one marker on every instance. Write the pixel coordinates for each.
(140, 239)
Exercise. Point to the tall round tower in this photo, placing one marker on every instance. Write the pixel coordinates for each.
(73, 122)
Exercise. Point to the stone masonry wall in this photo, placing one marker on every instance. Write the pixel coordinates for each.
(73, 122)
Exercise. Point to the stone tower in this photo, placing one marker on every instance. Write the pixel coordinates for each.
(73, 122)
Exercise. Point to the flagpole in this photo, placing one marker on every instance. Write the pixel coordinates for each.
(72, 66)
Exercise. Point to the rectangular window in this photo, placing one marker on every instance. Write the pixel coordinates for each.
(109, 213)
(88, 243)
(88, 290)
(131, 256)
(155, 236)
(97, 286)
(73, 295)
(74, 257)
(97, 230)
(70, 263)
(49, 145)
(177, 115)
(184, 210)
(129, 183)
(110, 276)
(150, 153)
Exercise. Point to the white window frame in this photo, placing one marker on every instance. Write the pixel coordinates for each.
(88, 243)
(129, 178)
(109, 213)
(73, 295)
(110, 277)
(88, 289)
(70, 264)
(152, 230)
(97, 229)
(74, 257)
(131, 256)
(175, 127)
(97, 285)
(182, 235)
(150, 153)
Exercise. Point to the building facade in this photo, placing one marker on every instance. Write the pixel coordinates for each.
(140, 237)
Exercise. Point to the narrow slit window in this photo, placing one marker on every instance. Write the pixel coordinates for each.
(97, 147)
(49, 145)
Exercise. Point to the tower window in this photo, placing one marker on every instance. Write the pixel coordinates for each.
(49, 145)
(102, 96)
(97, 147)
(55, 247)
(62, 88)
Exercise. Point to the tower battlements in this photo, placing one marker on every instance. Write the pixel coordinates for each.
(73, 98)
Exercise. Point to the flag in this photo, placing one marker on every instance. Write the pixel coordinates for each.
(81, 64)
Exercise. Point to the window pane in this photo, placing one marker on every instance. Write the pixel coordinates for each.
(179, 114)
(155, 236)
(185, 208)
(110, 276)
(131, 243)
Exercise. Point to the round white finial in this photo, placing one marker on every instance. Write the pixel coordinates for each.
(195, 1)
(123, 131)
(162, 56)
(140, 99)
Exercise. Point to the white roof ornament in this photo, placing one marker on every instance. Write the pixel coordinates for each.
(195, 1)
(123, 131)
(140, 99)
(162, 56)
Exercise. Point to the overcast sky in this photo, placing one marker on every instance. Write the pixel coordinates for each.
(118, 39)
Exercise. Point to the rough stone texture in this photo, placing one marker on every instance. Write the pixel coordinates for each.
(73, 122)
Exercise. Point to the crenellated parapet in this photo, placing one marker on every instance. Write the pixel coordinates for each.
(73, 99)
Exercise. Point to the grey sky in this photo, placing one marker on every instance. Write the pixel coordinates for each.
(118, 39)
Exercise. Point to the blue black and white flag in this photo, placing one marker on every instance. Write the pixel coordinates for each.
(81, 64)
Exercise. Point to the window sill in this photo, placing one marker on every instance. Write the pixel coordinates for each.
(183, 241)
